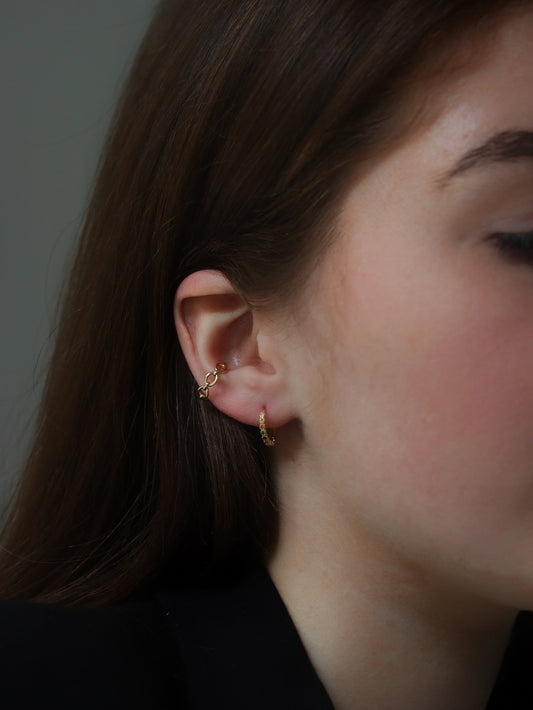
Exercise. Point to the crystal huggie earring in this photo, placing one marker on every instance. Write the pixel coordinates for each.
(267, 440)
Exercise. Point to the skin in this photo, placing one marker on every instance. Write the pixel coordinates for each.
(407, 486)
(403, 390)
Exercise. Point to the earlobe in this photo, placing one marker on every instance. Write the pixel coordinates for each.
(215, 325)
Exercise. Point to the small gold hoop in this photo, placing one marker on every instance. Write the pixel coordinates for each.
(211, 379)
(267, 440)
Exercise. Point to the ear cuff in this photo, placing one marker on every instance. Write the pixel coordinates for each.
(211, 379)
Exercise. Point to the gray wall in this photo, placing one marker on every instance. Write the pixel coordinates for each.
(61, 64)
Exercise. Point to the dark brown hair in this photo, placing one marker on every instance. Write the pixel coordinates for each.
(234, 138)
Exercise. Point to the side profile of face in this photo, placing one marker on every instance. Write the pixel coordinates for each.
(416, 356)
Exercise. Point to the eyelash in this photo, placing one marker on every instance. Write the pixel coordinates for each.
(516, 247)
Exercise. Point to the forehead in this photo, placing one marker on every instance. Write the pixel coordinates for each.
(457, 111)
(496, 95)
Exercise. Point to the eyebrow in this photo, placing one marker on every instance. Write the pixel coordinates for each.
(504, 147)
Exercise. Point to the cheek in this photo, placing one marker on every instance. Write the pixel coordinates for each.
(440, 400)
(466, 411)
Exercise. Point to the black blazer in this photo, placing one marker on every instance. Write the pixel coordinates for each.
(227, 645)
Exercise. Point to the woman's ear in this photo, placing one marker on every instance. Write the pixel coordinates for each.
(215, 325)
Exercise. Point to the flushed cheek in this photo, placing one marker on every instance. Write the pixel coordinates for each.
(468, 468)
(467, 488)
(441, 410)
(474, 395)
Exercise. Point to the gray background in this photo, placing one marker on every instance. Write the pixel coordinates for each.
(61, 66)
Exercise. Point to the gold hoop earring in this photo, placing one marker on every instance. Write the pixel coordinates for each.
(211, 379)
(267, 440)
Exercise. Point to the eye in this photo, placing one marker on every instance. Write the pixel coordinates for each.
(515, 247)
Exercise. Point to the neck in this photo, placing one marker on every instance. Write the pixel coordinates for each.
(379, 633)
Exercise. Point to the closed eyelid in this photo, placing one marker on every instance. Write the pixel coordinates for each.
(515, 247)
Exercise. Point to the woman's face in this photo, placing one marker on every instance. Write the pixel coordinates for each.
(416, 385)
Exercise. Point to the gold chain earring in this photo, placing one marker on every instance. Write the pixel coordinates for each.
(267, 440)
(211, 379)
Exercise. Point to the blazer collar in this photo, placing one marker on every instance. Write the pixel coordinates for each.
(240, 648)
